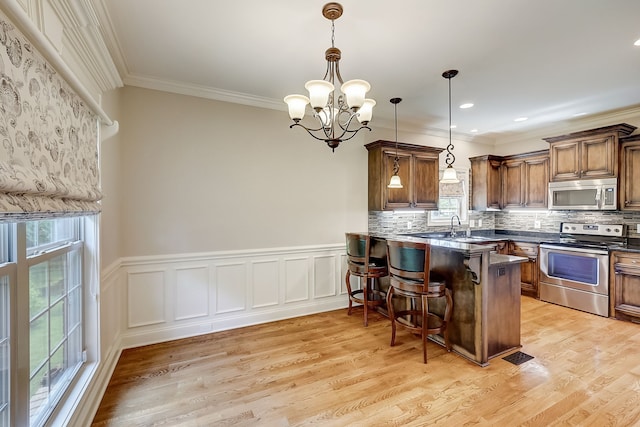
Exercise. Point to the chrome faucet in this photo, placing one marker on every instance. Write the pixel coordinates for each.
(453, 230)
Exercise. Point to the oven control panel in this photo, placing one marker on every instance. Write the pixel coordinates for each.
(611, 230)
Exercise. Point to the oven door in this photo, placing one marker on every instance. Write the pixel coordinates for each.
(584, 269)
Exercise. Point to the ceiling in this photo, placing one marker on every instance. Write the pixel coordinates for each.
(547, 60)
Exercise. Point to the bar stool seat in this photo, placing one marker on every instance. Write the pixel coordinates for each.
(369, 266)
(410, 277)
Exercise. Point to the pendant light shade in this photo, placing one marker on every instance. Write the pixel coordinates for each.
(449, 176)
(395, 179)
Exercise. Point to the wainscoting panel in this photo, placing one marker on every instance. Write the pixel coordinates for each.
(324, 276)
(264, 283)
(176, 296)
(192, 292)
(231, 287)
(146, 296)
(296, 279)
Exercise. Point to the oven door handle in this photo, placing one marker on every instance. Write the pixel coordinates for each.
(572, 249)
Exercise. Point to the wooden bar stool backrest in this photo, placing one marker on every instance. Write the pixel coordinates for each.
(361, 261)
(409, 264)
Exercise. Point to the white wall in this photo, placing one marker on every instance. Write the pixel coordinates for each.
(202, 175)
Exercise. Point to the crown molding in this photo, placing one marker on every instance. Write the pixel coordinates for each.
(631, 114)
(84, 42)
(201, 91)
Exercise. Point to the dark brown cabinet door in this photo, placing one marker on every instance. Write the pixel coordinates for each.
(630, 174)
(599, 157)
(486, 182)
(513, 184)
(529, 271)
(565, 157)
(397, 198)
(536, 182)
(425, 182)
(625, 294)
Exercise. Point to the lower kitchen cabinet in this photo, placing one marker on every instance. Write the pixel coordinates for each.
(529, 271)
(625, 286)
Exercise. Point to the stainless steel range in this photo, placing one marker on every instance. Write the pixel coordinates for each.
(574, 271)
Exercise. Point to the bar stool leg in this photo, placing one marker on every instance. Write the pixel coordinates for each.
(365, 298)
(425, 325)
(347, 281)
(392, 315)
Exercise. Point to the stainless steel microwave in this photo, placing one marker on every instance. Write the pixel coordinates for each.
(585, 194)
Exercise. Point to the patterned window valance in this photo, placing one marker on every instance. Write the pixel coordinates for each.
(49, 148)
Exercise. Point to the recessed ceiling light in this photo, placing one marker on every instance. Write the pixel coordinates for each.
(453, 126)
(637, 43)
(466, 105)
(473, 130)
(520, 119)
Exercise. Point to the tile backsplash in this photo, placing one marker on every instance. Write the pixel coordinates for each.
(385, 223)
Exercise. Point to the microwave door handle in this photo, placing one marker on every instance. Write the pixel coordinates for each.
(599, 197)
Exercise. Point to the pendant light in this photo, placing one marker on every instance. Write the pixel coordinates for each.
(395, 179)
(449, 176)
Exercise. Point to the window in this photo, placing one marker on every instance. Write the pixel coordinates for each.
(453, 200)
(48, 313)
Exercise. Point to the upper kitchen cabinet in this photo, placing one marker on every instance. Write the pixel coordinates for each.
(588, 154)
(486, 182)
(630, 173)
(510, 182)
(419, 167)
(525, 179)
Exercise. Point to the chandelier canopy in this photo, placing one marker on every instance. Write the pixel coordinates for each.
(335, 112)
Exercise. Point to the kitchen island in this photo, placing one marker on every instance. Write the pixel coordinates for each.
(485, 287)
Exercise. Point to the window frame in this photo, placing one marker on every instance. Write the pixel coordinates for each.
(72, 384)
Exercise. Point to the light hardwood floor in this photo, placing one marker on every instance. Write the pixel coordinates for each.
(328, 370)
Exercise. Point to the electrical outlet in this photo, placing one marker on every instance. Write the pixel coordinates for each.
(472, 223)
(409, 225)
(479, 223)
(536, 224)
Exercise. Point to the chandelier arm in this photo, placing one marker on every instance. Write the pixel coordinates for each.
(345, 127)
(354, 132)
(309, 131)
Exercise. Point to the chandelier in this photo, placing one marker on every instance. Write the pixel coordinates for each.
(335, 112)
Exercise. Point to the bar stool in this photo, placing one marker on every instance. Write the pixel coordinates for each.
(409, 274)
(364, 262)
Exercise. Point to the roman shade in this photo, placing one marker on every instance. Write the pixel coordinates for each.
(48, 137)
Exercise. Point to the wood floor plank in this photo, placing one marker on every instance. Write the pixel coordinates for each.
(327, 369)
